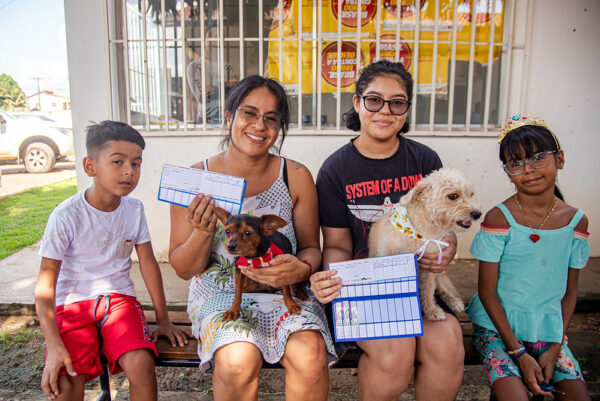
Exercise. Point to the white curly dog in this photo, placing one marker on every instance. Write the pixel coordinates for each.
(438, 204)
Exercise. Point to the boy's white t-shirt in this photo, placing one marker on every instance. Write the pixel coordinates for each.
(94, 247)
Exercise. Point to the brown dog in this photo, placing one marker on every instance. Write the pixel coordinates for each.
(440, 203)
(254, 241)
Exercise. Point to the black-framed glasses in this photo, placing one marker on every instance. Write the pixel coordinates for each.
(374, 103)
(538, 160)
(271, 120)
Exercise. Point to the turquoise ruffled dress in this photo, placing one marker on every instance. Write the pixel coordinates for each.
(532, 277)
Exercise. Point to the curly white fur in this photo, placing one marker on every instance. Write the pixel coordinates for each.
(439, 204)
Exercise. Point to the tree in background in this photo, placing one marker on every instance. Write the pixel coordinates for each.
(11, 95)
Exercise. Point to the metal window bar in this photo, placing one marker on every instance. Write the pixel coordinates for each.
(145, 61)
(434, 54)
(417, 30)
(280, 39)
(339, 63)
(358, 45)
(488, 78)
(471, 65)
(319, 64)
(378, 30)
(358, 40)
(315, 68)
(241, 38)
(126, 62)
(505, 79)
(300, 71)
(452, 67)
(203, 64)
(221, 62)
(165, 99)
(398, 29)
(261, 39)
(109, 29)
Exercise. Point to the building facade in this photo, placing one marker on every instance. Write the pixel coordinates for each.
(48, 101)
(165, 67)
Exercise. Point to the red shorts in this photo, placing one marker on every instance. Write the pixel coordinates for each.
(125, 329)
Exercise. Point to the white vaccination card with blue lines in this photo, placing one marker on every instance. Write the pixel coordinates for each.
(179, 185)
(379, 299)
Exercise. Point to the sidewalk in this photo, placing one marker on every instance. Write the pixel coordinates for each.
(18, 274)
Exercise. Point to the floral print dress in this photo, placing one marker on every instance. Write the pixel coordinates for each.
(264, 320)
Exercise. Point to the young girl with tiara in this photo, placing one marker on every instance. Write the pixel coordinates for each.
(530, 250)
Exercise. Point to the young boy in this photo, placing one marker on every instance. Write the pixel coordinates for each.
(84, 275)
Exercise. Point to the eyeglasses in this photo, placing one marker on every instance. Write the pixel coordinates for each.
(538, 160)
(373, 104)
(271, 120)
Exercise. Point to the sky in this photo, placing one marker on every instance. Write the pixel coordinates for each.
(33, 44)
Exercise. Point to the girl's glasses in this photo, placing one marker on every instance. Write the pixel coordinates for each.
(251, 115)
(373, 104)
(538, 160)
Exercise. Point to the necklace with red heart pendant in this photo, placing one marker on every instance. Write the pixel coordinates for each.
(535, 237)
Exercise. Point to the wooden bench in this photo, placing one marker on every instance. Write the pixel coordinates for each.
(187, 355)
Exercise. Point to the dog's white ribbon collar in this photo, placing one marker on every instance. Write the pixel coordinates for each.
(399, 219)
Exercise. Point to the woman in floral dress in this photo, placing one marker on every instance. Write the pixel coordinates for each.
(257, 115)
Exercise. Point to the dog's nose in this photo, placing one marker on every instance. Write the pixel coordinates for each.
(475, 214)
(231, 246)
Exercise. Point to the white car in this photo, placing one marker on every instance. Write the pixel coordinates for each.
(35, 142)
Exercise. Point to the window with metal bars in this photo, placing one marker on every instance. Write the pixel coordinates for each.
(174, 61)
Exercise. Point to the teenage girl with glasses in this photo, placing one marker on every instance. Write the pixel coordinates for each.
(530, 250)
(356, 185)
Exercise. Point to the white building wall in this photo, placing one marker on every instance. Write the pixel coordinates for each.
(552, 76)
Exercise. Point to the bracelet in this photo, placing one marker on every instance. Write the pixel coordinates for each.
(515, 351)
(309, 270)
(514, 358)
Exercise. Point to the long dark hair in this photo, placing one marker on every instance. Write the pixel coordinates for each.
(367, 75)
(240, 90)
(523, 142)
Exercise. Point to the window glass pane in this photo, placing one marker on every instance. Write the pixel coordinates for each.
(174, 82)
(210, 90)
(252, 60)
(172, 12)
(251, 17)
(309, 109)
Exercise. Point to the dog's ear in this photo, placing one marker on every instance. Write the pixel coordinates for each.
(416, 193)
(270, 223)
(222, 214)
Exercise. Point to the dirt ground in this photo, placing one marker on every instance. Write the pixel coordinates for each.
(22, 353)
(22, 361)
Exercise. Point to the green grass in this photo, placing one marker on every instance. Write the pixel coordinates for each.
(23, 216)
(17, 338)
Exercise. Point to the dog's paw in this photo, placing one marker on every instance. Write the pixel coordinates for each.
(435, 314)
(231, 314)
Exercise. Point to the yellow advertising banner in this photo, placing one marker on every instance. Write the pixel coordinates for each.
(397, 20)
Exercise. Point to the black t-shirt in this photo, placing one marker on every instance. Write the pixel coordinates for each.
(354, 190)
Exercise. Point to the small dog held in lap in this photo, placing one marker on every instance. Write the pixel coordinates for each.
(438, 204)
(254, 241)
